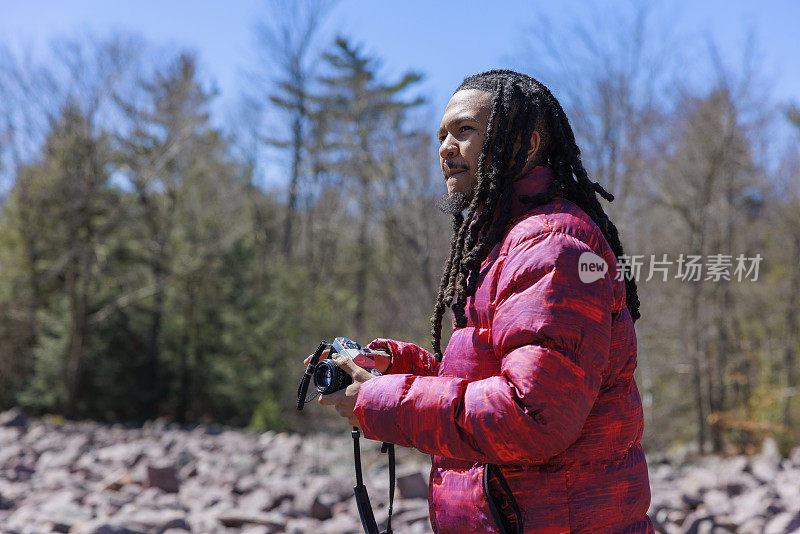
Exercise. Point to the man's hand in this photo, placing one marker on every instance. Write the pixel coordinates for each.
(382, 359)
(344, 400)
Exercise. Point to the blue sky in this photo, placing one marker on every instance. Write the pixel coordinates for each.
(444, 40)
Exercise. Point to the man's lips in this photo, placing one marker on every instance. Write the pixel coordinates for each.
(453, 172)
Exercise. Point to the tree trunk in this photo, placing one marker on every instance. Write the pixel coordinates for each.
(79, 297)
(362, 263)
(792, 326)
(297, 146)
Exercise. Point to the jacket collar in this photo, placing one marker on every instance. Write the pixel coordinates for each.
(534, 182)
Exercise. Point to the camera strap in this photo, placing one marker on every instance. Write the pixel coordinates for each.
(360, 490)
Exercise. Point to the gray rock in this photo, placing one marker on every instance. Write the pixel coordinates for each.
(754, 525)
(697, 480)
(116, 480)
(782, 523)
(5, 503)
(13, 418)
(764, 469)
(412, 486)
(302, 525)
(717, 502)
(787, 486)
(238, 518)
(162, 477)
(103, 526)
(794, 457)
(770, 451)
(699, 522)
(150, 519)
(120, 454)
(753, 503)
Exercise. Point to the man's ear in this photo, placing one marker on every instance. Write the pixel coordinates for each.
(535, 142)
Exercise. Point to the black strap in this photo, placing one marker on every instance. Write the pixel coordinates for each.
(302, 389)
(360, 490)
(389, 447)
(501, 501)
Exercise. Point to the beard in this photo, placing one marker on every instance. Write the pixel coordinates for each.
(455, 203)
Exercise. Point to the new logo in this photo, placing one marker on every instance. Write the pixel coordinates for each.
(591, 267)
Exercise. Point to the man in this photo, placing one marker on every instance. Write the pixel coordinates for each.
(532, 415)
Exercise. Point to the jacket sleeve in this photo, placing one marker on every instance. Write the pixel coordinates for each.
(407, 358)
(551, 332)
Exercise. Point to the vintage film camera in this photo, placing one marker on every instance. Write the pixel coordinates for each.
(329, 377)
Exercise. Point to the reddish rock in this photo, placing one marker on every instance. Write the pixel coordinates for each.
(164, 478)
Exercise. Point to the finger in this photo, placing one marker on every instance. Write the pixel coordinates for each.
(322, 356)
(332, 398)
(382, 360)
(344, 411)
(348, 366)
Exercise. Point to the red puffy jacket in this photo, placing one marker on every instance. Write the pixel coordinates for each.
(539, 382)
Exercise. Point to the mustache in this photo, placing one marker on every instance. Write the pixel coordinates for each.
(450, 165)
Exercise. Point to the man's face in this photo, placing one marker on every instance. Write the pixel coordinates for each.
(461, 136)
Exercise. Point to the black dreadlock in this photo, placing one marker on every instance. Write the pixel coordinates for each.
(520, 105)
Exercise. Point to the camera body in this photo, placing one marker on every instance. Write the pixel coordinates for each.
(329, 377)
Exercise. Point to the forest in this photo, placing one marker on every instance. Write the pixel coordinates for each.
(147, 270)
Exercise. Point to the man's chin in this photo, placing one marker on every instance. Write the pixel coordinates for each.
(454, 203)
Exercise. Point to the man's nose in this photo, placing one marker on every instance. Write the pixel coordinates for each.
(448, 149)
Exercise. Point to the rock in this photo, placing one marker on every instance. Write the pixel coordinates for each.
(238, 518)
(765, 465)
(321, 508)
(5, 504)
(696, 481)
(787, 486)
(13, 418)
(303, 525)
(115, 481)
(691, 502)
(754, 503)
(165, 478)
(734, 464)
(754, 525)
(317, 499)
(764, 469)
(103, 526)
(698, 523)
(179, 524)
(264, 500)
(87, 478)
(120, 454)
(794, 456)
(412, 516)
(770, 451)
(782, 523)
(21, 472)
(717, 502)
(412, 486)
(150, 519)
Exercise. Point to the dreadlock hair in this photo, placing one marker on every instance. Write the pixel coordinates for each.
(520, 106)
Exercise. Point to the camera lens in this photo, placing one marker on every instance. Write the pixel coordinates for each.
(324, 377)
(329, 378)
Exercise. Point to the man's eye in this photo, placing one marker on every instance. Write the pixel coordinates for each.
(465, 128)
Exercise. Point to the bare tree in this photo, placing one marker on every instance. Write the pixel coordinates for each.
(287, 41)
